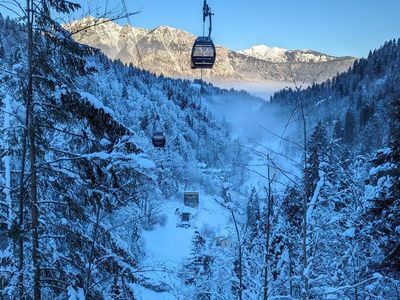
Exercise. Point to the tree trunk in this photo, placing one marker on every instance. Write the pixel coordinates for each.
(240, 258)
(7, 159)
(32, 144)
(290, 271)
(21, 206)
(305, 200)
(268, 233)
(91, 254)
(35, 212)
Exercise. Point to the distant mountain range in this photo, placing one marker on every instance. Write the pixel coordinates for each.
(166, 50)
(280, 55)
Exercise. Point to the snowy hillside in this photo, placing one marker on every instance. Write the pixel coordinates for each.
(293, 198)
(103, 188)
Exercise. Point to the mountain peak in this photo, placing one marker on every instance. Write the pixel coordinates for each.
(263, 47)
(280, 55)
(264, 52)
(165, 27)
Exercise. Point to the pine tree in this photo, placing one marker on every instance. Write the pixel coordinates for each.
(51, 68)
(349, 128)
(338, 130)
(200, 268)
(252, 252)
(365, 114)
(2, 49)
(124, 93)
(291, 227)
(39, 57)
(253, 218)
(384, 215)
(316, 157)
(16, 55)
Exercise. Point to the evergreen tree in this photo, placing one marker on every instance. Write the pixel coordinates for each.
(291, 227)
(316, 157)
(384, 214)
(365, 114)
(2, 49)
(253, 217)
(17, 56)
(349, 127)
(252, 253)
(62, 129)
(338, 130)
(200, 268)
(125, 94)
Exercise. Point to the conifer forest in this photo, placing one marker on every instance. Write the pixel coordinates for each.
(121, 182)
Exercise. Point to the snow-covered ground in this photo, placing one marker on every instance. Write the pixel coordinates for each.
(168, 246)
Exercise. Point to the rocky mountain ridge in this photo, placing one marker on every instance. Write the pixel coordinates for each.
(166, 50)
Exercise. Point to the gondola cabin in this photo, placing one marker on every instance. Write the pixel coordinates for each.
(158, 140)
(191, 199)
(203, 53)
(184, 220)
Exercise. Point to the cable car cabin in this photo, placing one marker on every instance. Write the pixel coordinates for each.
(185, 220)
(191, 199)
(158, 140)
(203, 53)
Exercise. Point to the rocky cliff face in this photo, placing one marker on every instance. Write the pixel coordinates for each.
(166, 50)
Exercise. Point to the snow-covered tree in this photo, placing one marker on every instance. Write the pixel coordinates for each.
(384, 195)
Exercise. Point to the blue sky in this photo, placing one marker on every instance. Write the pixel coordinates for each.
(338, 27)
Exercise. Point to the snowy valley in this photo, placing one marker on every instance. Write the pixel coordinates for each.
(292, 198)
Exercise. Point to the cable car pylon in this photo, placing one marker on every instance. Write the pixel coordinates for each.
(203, 50)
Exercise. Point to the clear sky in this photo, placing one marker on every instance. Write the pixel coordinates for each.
(338, 27)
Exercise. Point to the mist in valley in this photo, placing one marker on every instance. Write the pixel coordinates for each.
(265, 131)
